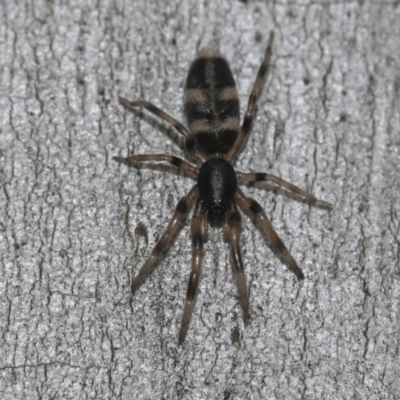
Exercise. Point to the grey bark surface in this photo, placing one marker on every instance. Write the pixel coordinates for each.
(76, 226)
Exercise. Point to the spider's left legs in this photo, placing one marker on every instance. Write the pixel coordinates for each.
(259, 177)
(251, 105)
(181, 211)
(189, 139)
(233, 233)
(197, 231)
(175, 161)
(250, 205)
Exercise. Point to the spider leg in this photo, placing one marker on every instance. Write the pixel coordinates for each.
(181, 211)
(251, 105)
(175, 161)
(197, 258)
(258, 177)
(190, 141)
(250, 205)
(233, 232)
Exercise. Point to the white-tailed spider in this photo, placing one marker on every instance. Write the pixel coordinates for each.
(214, 139)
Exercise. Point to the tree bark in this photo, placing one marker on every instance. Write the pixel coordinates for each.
(76, 226)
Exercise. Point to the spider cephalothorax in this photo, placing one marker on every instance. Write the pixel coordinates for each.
(217, 185)
(215, 139)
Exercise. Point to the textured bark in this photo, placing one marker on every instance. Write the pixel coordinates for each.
(76, 226)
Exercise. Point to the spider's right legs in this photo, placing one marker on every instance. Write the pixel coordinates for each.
(181, 211)
(259, 177)
(189, 139)
(251, 105)
(175, 161)
(233, 233)
(197, 230)
(250, 205)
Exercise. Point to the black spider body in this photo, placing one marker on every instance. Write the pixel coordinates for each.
(212, 111)
(217, 185)
(214, 139)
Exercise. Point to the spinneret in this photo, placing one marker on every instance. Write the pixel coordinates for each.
(215, 139)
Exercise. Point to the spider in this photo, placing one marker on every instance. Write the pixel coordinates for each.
(214, 139)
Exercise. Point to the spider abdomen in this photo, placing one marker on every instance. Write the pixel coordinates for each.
(211, 103)
(217, 185)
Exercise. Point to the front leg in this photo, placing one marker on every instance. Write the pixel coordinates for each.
(250, 205)
(182, 208)
(197, 258)
(233, 233)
